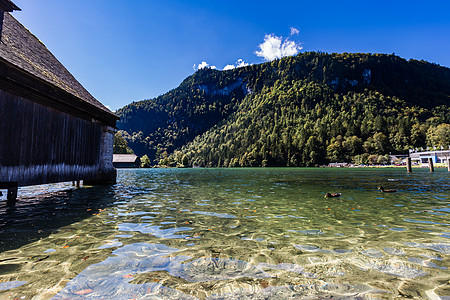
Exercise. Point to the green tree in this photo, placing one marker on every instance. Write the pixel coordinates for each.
(145, 162)
(335, 151)
(418, 135)
(381, 143)
(353, 145)
(121, 145)
(439, 136)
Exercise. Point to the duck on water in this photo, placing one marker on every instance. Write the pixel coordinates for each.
(335, 195)
(386, 191)
(332, 195)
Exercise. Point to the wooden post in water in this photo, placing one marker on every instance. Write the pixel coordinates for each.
(78, 183)
(448, 164)
(408, 165)
(430, 164)
(11, 197)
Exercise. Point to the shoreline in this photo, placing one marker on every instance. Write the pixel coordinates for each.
(439, 166)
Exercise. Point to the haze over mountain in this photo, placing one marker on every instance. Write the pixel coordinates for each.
(303, 110)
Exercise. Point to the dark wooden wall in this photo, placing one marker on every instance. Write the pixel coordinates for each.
(126, 165)
(41, 145)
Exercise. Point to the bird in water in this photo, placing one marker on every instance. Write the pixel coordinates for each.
(386, 191)
(332, 195)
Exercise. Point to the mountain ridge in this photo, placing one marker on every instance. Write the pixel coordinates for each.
(209, 98)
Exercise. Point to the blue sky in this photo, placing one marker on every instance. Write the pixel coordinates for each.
(124, 51)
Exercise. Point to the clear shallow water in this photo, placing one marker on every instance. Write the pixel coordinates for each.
(231, 233)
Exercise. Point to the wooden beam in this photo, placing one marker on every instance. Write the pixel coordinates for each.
(430, 164)
(7, 185)
(12, 196)
(12, 192)
(408, 165)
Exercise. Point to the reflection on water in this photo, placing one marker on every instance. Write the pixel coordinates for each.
(43, 209)
(231, 234)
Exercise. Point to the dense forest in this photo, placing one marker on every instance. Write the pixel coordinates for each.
(304, 110)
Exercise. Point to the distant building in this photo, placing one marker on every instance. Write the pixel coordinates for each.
(338, 165)
(126, 161)
(398, 159)
(421, 156)
(51, 128)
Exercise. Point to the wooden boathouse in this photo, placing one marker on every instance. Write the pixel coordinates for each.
(126, 161)
(51, 128)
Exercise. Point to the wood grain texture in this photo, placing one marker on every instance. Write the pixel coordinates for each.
(40, 145)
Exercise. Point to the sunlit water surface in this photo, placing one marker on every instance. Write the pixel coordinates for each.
(231, 234)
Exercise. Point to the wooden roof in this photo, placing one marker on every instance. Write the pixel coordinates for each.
(8, 5)
(23, 50)
(124, 158)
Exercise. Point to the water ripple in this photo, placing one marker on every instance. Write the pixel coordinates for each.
(220, 215)
(10, 285)
(439, 247)
(111, 278)
(169, 233)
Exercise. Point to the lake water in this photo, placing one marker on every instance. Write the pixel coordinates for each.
(231, 234)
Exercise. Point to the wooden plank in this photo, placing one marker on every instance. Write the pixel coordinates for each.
(45, 145)
(7, 185)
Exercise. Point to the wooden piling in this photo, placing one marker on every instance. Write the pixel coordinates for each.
(430, 164)
(12, 196)
(408, 165)
(12, 188)
(448, 164)
(78, 183)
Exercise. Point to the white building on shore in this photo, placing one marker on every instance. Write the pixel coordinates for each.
(422, 155)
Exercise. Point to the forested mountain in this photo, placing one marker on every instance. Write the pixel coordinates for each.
(304, 110)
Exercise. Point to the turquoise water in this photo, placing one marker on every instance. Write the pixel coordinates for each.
(231, 234)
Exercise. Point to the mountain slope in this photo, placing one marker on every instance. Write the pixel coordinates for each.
(302, 110)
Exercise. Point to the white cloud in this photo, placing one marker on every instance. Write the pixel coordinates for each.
(229, 67)
(275, 47)
(203, 65)
(294, 31)
(239, 64)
